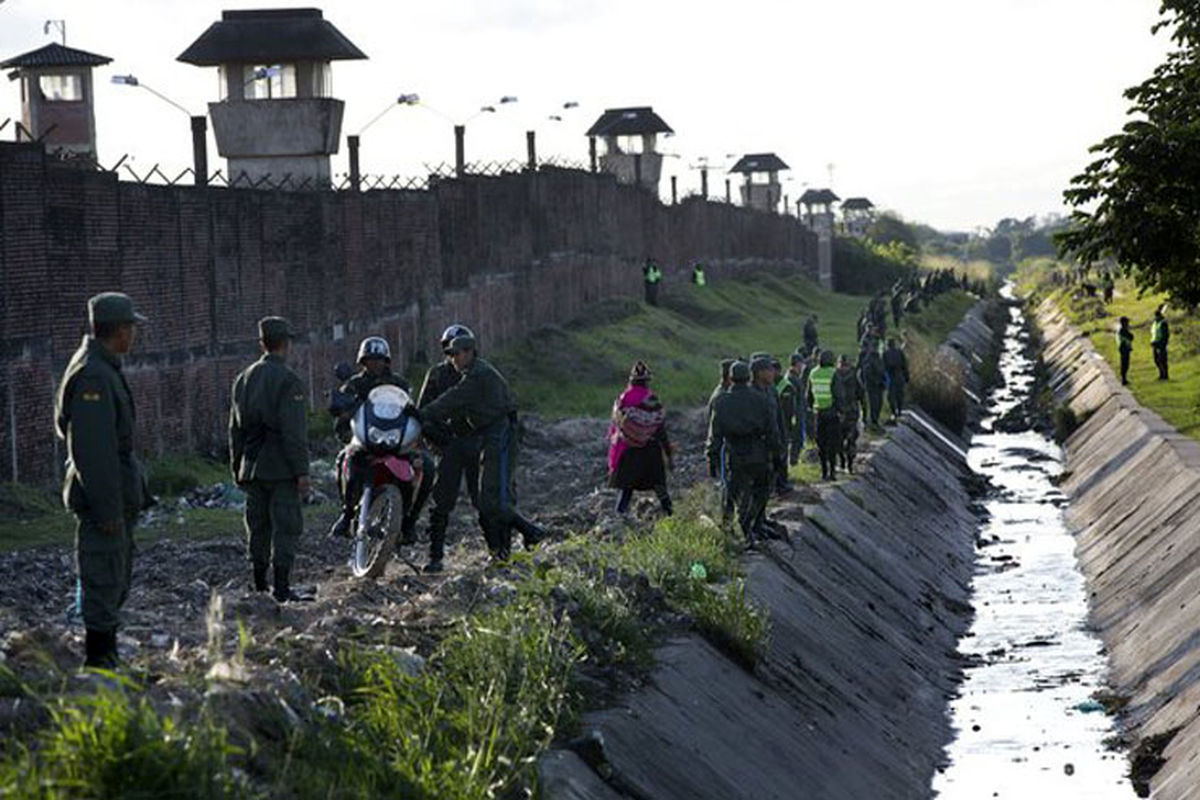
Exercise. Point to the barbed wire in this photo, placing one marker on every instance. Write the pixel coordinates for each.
(123, 169)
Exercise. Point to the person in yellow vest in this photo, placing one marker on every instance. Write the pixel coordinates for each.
(698, 274)
(824, 401)
(1124, 348)
(651, 276)
(1160, 337)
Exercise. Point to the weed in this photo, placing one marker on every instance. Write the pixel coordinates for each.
(177, 474)
(111, 745)
(937, 386)
(730, 620)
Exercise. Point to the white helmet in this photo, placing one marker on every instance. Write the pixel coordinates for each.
(453, 332)
(374, 347)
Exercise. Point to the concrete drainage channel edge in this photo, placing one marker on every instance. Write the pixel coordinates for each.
(867, 604)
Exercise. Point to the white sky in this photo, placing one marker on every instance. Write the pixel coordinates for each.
(952, 112)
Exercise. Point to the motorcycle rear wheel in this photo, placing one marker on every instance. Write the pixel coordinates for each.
(373, 547)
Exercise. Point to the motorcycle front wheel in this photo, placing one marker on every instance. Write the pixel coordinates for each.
(375, 542)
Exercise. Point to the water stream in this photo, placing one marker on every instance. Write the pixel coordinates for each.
(1027, 725)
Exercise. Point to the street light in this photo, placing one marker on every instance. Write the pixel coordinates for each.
(405, 99)
(460, 133)
(199, 128)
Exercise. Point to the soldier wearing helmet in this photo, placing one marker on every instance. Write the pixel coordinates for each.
(375, 369)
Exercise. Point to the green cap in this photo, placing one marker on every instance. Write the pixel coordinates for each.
(460, 343)
(112, 307)
(760, 364)
(797, 357)
(274, 328)
(760, 354)
(739, 372)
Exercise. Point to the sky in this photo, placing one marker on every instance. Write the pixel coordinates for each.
(954, 113)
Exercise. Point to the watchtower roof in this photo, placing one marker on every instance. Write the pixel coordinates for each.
(270, 36)
(633, 121)
(759, 162)
(814, 197)
(857, 204)
(55, 55)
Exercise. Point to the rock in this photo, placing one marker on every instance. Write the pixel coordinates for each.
(405, 658)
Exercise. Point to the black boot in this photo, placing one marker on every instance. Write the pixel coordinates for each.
(100, 650)
(260, 578)
(284, 592)
(531, 532)
(408, 531)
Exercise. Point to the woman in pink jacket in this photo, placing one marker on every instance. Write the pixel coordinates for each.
(639, 451)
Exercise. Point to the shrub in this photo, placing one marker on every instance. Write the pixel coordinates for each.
(862, 267)
(1065, 423)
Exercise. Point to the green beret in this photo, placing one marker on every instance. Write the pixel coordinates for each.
(112, 307)
(739, 372)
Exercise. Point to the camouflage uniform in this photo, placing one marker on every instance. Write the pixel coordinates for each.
(460, 449)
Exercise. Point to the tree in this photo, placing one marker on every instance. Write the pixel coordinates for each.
(1139, 202)
(887, 228)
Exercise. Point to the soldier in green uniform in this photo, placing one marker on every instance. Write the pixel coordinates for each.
(482, 402)
(104, 486)
(459, 448)
(722, 472)
(850, 400)
(268, 452)
(744, 432)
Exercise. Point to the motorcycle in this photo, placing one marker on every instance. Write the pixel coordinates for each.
(386, 427)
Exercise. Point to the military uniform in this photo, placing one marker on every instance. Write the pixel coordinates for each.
(104, 485)
(268, 451)
(460, 449)
(896, 364)
(483, 402)
(1160, 338)
(873, 375)
(744, 429)
(793, 394)
(849, 397)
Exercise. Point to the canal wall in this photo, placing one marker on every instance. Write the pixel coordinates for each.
(867, 604)
(1134, 488)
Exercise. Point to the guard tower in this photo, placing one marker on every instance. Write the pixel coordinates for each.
(816, 209)
(630, 145)
(57, 104)
(761, 189)
(276, 115)
(857, 215)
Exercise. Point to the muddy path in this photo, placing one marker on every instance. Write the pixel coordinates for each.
(169, 625)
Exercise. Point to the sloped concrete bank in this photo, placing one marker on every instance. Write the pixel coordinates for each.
(1134, 489)
(867, 603)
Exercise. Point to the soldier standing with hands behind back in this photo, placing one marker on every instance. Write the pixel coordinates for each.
(268, 452)
(104, 486)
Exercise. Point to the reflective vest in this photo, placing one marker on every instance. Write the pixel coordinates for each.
(1156, 331)
(1124, 340)
(653, 275)
(822, 387)
(698, 276)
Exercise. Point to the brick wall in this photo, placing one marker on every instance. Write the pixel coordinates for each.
(503, 254)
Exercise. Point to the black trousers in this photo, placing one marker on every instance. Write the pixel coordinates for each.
(459, 461)
(874, 403)
(1125, 366)
(1160, 360)
(829, 439)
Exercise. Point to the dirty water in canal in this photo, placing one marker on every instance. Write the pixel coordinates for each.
(1026, 721)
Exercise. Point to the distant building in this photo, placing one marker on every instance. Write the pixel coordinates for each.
(762, 192)
(276, 116)
(57, 102)
(857, 215)
(630, 138)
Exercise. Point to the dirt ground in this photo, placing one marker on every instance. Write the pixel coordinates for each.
(190, 597)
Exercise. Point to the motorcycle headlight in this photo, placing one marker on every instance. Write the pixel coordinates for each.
(393, 438)
(376, 436)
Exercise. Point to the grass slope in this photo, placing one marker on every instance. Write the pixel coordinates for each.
(577, 370)
(1174, 400)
